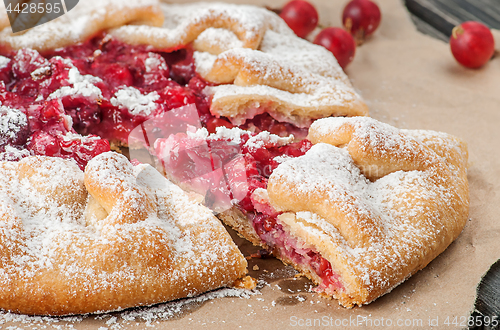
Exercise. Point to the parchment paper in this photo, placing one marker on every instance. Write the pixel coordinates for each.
(411, 81)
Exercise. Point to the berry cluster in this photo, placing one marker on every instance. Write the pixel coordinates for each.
(472, 43)
(360, 18)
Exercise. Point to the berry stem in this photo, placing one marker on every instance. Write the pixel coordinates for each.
(348, 24)
(457, 30)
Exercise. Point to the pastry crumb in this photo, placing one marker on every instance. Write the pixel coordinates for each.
(246, 282)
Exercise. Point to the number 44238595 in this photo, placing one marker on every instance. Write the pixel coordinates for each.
(31, 8)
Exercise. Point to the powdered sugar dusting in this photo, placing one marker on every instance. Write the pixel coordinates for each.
(285, 70)
(320, 97)
(154, 63)
(169, 310)
(82, 85)
(132, 99)
(183, 21)
(217, 40)
(12, 154)
(4, 61)
(330, 172)
(364, 127)
(28, 58)
(299, 52)
(11, 122)
(204, 62)
(44, 218)
(122, 320)
(297, 78)
(265, 138)
(231, 134)
(52, 230)
(88, 17)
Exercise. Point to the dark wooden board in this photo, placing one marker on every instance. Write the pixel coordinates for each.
(438, 17)
(486, 314)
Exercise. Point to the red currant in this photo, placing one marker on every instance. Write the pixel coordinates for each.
(339, 42)
(118, 75)
(268, 224)
(472, 44)
(361, 18)
(279, 129)
(213, 123)
(300, 16)
(44, 144)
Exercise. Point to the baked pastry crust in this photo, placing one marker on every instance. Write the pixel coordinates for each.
(262, 65)
(82, 22)
(377, 202)
(114, 237)
(358, 213)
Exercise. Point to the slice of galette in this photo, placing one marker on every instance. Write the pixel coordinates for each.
(369, 205)
(358, 207)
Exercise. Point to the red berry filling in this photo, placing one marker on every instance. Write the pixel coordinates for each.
(228, 171)
(272, 233)
(104, 88)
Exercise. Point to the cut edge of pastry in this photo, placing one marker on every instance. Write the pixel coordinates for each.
(353, 284)
(235, 219)
(247, 105)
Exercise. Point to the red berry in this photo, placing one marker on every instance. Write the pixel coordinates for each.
(176, 96)
(18, 130)
(279, 129)
(44, 144)
(213, 123)
(268, 224)
(300, 16)
(361, 18)
(339, 42)
(117, 75)
(472, 44)
(52, 110)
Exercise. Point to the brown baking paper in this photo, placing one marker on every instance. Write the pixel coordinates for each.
(411, 81)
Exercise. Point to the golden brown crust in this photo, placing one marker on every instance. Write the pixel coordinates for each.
(235, 219)
(247, 282)
(374, 233)
(262, 65)
(85, 20)
(138, 240)
(185, 23)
